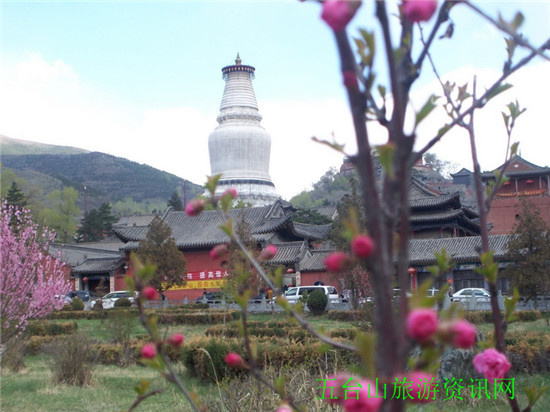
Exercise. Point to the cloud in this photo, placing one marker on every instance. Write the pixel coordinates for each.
(48, 102)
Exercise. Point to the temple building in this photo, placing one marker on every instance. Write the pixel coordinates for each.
(526, 180)
(240, 147)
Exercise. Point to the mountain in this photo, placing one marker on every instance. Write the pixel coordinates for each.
(107, 178)
(10, 146)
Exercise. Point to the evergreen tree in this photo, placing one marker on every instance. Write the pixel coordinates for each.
(175, 202)
(15, 197)
(529, 250)
(159, 248)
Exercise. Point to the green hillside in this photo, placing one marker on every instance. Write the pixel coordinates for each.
(107, 178)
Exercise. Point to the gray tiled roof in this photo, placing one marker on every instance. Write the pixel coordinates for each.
(435, 202)
(462, 249)
(74, 255)
(314, 261)
(288, 253)
(98, 265)
(204, 230)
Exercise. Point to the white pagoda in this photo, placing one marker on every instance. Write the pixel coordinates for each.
(240, 147)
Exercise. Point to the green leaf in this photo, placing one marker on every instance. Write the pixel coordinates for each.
(518, 21)
(534, 393)
(365, 344)
(498, 90)
(463, 93)
(382, 91)
(443, 130)
(212, 183)
(426, 109)
(141, 389)
(514, 149)
(385, 155)
(336, 146)
(510, 305)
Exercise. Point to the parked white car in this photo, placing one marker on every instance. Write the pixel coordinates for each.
(295, 293)
(464, 295)
(110, 298)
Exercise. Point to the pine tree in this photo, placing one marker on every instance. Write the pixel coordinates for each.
(175, 202)
(15, 197)
(529, 250)
(159, 248)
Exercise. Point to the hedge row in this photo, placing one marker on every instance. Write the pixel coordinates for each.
(289, 330)
(190, 318)
(47, 328)
(486, 316)
(204, 356)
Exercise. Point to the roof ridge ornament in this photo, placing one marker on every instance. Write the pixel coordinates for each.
(238, 60)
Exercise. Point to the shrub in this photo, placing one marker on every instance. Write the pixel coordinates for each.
(123, 303)
(77, 304)
(71, 360)
(34, 345)
(317, 302)
(119, 325)
(47, 328)
(528, 315)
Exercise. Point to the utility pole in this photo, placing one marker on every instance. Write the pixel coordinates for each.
(85, 216)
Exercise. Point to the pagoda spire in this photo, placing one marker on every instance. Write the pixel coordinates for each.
(240, 148)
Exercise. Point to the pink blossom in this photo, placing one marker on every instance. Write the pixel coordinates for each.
(32, 282)
(268, 253)
(176, 339)
(149, 292)
(362, 246)
(419, 10)
(333, 388)
(422, 324)
(492, 364)
(463, 334)
(284, 408)
(338, 13)
(218, 251)
(337, 262)
(195, 207)
(422, 387)
(149, 351)
(230, 192)
(234, 360)
(367, 399)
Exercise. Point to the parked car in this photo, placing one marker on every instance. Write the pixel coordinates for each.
(83, 295)
(294, 294)
(463, 295)
(110, 298)
(214, 297)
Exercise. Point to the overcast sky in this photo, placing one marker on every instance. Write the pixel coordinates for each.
(142, 80)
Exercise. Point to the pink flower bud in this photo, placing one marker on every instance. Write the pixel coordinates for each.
(337, 262)
(419, 10)
(268, 253)
(230, 192)
(492, 364)
(423, 386)
(234, 360)
(362, 246)
(218, 251)
(338, 13)
(463, 334)
(149, 292)
(350, 79)
(195, 207)
(176, 339)
(149, 351)
(366, 399)
(284, 408)
(422, 324)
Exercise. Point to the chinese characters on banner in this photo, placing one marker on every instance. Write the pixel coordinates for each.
(204, 279)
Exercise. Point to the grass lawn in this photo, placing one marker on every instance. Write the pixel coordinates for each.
(111, 388)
